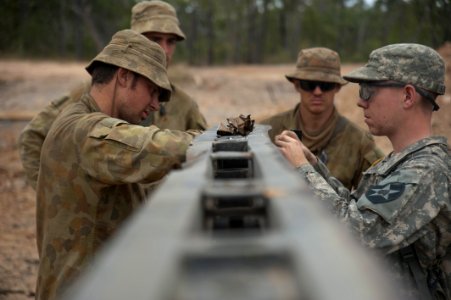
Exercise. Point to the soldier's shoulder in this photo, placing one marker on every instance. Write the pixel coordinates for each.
(281, 117)
(80, 89)
(73, 96)
(432, 156)
(178, 94)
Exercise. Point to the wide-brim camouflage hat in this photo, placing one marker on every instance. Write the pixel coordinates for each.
(414, 64)
(132, 51)
(156, 16)
(317, 64)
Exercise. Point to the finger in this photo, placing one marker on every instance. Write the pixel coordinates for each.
(289, 136)
(292, 134)
(280, 137)
(289, 133)
(280, 142)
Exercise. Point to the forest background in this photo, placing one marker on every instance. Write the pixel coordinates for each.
(226, 32)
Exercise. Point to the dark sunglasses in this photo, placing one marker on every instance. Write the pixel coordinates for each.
(367, 90)
(310, 86)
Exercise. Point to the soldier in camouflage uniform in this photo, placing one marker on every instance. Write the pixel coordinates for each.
(402, 204)
(346, 149)
(158, 21)
(94, 157)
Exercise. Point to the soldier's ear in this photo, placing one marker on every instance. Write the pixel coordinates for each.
(123, 76)
(409, 96)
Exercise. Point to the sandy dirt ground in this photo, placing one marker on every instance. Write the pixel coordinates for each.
(221, 92)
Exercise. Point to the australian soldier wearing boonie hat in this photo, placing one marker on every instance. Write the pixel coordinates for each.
(401, 207)
(317, 64)
(131, 51)
(95, 160)
(345, 148)
(157, 20)
(156, 16)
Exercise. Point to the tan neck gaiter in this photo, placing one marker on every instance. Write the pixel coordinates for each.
(317, 140)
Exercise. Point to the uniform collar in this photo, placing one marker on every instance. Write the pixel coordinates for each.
(90, 102)
(386, 165)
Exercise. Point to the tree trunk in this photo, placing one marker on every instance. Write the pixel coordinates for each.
(210, 34)
(82, 8)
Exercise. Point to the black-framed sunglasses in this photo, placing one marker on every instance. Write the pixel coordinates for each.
(367, 90)
(310, 86)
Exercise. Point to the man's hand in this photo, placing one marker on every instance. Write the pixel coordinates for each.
(294, 150)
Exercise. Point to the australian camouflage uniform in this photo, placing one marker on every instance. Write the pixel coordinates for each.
(181, 113)
(92, 167)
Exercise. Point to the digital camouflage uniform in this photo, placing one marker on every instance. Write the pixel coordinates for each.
(180, 113)
(347, 150)
(402, 205)
(91, 167)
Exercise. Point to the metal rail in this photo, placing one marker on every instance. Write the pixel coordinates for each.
(237, 222)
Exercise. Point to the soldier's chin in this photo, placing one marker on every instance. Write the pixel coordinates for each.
(135, 121)
(374, 131)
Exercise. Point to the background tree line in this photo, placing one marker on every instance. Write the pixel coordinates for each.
(227, 31)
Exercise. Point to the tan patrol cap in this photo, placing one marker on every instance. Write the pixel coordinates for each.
(317, 64)
(156, 16)
(133, 51)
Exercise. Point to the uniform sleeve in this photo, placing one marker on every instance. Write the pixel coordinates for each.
(116, 152)
(32, 137)
(395, 212)
(391, 214)
(328, 189)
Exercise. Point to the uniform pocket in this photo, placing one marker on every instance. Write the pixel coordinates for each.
(119, 133)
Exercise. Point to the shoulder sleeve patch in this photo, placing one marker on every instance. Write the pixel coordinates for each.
(385, 193)
(389, 197)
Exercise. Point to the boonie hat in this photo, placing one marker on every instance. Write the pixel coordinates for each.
(156, 16)
(317, 64)
(414, 64)
(133, 51)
